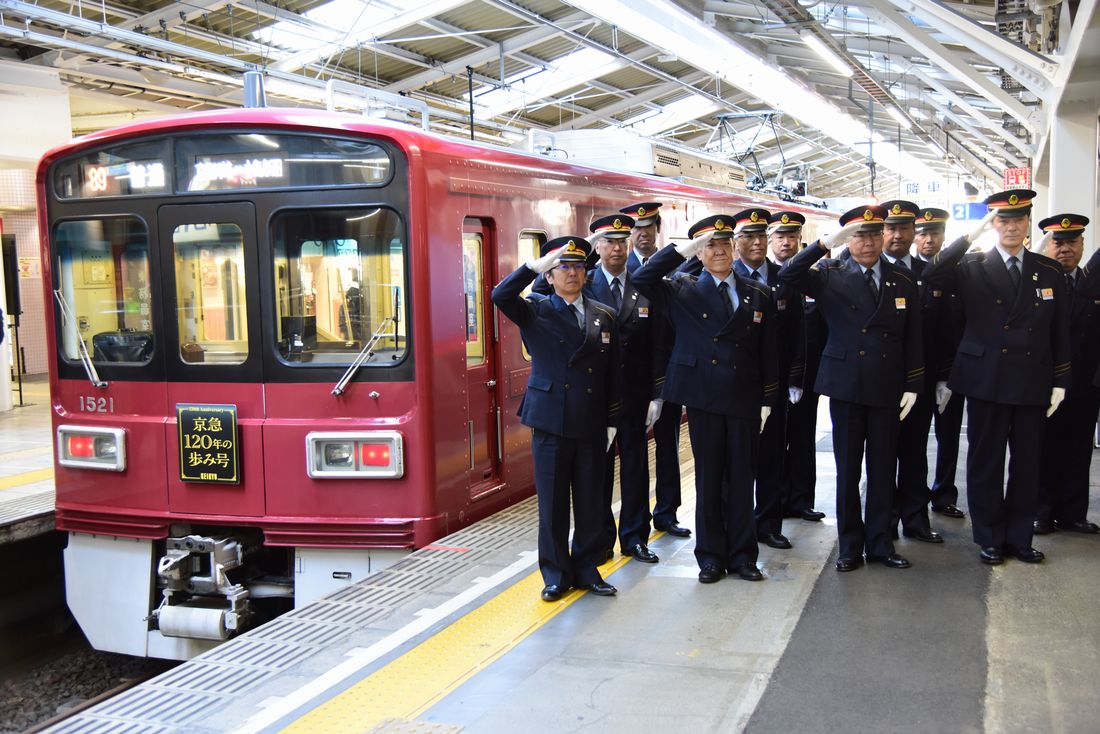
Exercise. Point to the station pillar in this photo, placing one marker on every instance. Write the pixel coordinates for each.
(1073, 163)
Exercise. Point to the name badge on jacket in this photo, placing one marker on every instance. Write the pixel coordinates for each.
(1047, 294)
(605, 337)
(781, 304)
(899, 304)
(757, 316)
(643, 312)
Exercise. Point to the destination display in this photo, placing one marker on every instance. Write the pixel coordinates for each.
(208, 443)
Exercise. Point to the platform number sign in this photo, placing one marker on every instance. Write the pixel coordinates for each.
(208, 443)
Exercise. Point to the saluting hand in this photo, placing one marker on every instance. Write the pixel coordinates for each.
(841, 236)
(547, 262)
(687, 249)
(982, 227)
(1045, 243)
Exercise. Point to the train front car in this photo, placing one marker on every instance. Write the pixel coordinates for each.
(240, 418)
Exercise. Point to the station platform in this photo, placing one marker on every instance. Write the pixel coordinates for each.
(26, 466)
(455, 638)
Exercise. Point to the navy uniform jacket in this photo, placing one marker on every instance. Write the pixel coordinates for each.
(874, 353)
(1084, 324)
(936, 325)
(573, 390)
(641, 334)
(724, 366)
(789, 332)
(1015, 346)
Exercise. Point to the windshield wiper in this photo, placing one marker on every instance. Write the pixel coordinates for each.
(68, 318)
(364, 354)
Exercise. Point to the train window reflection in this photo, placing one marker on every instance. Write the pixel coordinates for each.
(472, 293)
(339, 287)
(210, 293)
(103, 283)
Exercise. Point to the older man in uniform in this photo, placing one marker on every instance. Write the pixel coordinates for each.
(911, 496)
(572, 406)
(1067, 440)
(724, 368)
(1013, 365)
(872, 368)
(645, 240)
(752, 263)
(930, 227)
(639, 336)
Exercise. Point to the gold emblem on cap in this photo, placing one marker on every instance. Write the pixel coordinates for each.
(785, 218)
(1066, 223)
(754, 217)
(617, 224)
(1013, 200)
(928, 216)
(571, 246)
(896, 209)
(641, 211)
(868, 215)
(719, 224)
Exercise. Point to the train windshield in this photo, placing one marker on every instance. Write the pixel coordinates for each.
(339, 286)
(103, 289)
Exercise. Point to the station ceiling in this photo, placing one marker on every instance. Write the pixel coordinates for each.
(949, 91)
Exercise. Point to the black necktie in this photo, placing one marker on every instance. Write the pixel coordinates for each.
(1014, 271)
(870, 276)
(901, 263)
(727, 304)
(756, 275)
(1070, 281)
(616, 294)
(644, 261)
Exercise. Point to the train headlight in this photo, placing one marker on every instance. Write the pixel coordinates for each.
(89, 447)
(365, 454)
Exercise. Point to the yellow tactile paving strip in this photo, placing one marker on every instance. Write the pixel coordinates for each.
(414, 682)
(29, 477)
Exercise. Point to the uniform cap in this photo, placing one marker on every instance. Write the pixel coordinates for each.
(644, 214)
(930, 218)
(900, 211)
(872, 217)
(1011, 203)
(1065, 226)
(573, 249)
(751, 220)
(720, 224)
(613, 226)
(786, 221)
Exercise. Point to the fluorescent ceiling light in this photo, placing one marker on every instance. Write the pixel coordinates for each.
(564, 73)
(788, 155)
(840, 65)
(898, 115)
(672, 115)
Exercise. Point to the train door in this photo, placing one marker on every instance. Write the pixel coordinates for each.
(215, 379)
(483, 406)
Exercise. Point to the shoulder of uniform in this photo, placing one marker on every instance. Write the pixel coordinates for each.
(602, 307)
(974, 257)
(828, 263)
(1047, 262)
(537, 297)
(906, 275)
(685, 277)
(759, 287)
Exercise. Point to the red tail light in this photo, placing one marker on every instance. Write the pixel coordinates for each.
(82, 447)
(374, 454)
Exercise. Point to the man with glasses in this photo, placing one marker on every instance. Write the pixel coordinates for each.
(572, 406)
(724, 368)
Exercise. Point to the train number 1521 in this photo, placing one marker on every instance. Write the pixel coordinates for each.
(97, 405)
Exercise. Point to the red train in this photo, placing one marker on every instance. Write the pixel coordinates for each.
(277, 365)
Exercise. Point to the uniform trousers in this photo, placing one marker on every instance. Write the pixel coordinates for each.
(771, 468)
(1001, 514)
(633, 485)
(724, 448)
(800, 468)
(856, 426)
(666, 436)
(564, 468)
(948, 428)
(1067, 457)
(911, 496)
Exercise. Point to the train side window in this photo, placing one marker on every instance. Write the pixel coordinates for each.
(103, 279)
(530, 247)
(210, 293)
(340, 286)
(473, 291)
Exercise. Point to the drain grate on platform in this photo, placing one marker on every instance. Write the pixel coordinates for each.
(159, 706)
(210, 678)
(301, 632)
(348, 615)
(255, 652)
(375, 596)
(86, 724)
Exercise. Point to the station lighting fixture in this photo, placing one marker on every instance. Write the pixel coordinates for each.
(355, 455)
(840, 65)
(563, 73)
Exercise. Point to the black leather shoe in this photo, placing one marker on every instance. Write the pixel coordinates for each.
(709, 574)
(848, 564)
(891, 561)
(552, 592)
(640, 552)
(674, 529)
(774, 540)
(1027, 555)
(601, 588)
(991, 556)
(949, 511)
(749, 572)
(1043, 527)
(812, 515)
(926, 535)
(1081, 526)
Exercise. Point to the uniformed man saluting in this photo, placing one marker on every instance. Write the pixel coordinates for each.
(1013, 365)
(724, 369)
(872, 367)
(572, 403)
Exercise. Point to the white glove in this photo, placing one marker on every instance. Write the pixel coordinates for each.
(1045, 243)
(943, 396)
(653, 412)
(982, 227)
(765, 411)
(1057, 395)
(908, 400)
(547, 262)
(794, 394)
(687, 249)
(841, 236)
(611, 431)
